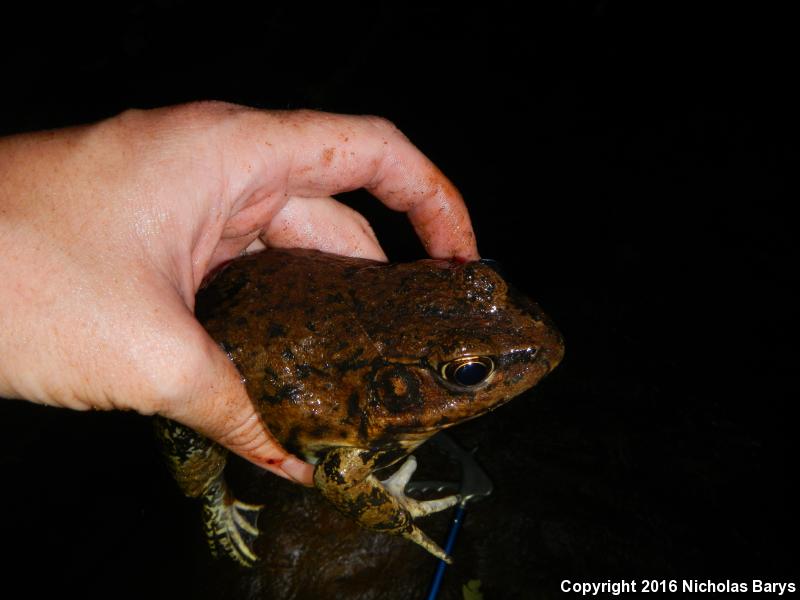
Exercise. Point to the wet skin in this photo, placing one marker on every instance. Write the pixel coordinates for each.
(352, 364)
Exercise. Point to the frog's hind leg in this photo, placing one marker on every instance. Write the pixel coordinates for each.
(344, 476)
(396, 485)
(230, 525)
(197, 464)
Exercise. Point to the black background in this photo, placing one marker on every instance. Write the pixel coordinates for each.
(632, 166)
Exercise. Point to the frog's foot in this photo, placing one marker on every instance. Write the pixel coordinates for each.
(230, 524)
(345, 477)
(396, 485)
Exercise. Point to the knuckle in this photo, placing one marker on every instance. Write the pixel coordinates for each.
(197, 117)
(202, 109)
(245, 435)
(383, 124)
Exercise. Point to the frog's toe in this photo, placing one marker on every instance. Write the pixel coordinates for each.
(239, 512)
(420, 508)
(230, 526)
(396, 485)
(417, 536)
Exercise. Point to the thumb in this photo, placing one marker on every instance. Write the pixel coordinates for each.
(220, 409)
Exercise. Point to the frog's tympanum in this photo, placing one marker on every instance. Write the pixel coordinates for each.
(352, 364)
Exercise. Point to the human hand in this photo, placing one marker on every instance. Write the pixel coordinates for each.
(107, 231)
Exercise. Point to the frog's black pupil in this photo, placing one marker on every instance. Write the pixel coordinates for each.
(471, 373)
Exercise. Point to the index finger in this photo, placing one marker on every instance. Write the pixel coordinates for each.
(322, 154)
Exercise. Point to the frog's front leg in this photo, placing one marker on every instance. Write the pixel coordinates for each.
(345, 477)
(196, 464)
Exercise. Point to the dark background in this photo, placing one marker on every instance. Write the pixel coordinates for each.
(633, 167)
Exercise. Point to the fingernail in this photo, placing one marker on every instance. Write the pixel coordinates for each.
(298, 470)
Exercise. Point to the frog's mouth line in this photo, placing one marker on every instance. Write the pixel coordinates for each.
(410, 433)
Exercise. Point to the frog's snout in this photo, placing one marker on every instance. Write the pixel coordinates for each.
(494, 266)
(553, 353)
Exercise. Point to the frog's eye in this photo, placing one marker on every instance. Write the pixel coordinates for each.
(468, 371)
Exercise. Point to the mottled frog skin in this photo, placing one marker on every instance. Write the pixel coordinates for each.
(352, 364)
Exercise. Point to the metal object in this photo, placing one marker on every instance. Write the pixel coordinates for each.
(474, 485)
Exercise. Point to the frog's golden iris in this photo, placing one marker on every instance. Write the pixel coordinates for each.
(469, 371)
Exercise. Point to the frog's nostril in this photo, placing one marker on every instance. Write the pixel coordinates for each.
(553, 355)
(519, 356)
(494, 266)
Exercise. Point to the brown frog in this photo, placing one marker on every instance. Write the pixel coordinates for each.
(352, 364)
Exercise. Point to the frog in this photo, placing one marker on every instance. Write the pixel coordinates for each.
(352, 364)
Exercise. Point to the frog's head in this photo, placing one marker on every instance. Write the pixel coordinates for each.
(454, 342)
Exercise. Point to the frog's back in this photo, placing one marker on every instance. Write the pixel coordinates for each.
(285, 318)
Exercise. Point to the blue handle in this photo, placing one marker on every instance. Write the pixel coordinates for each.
(451, 541)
